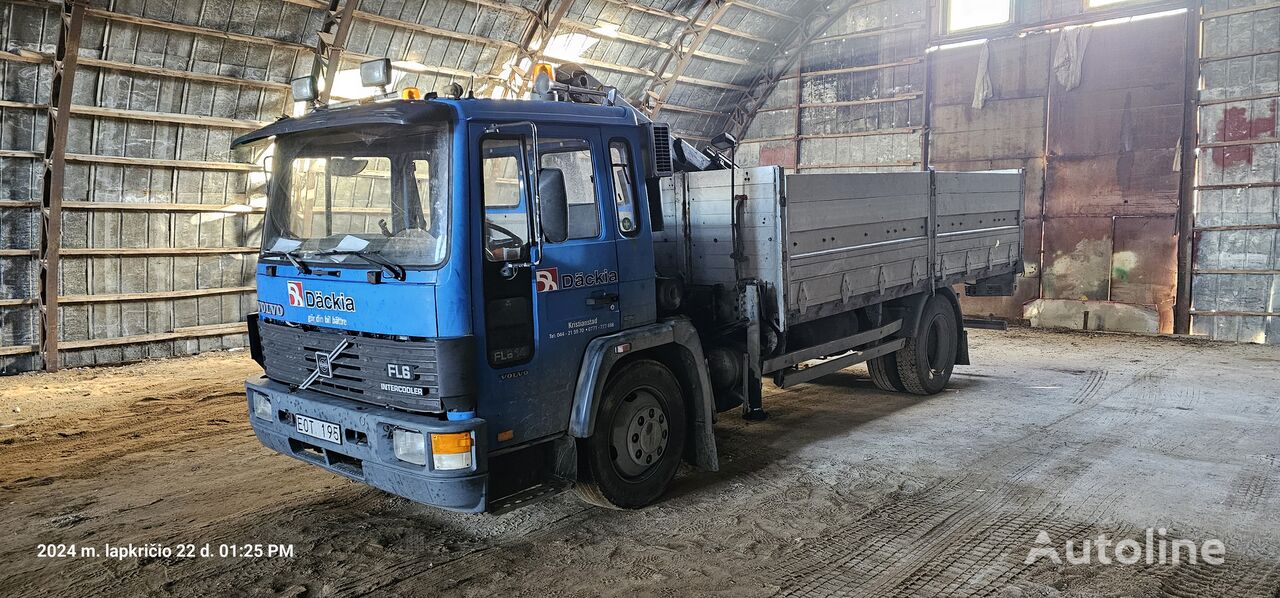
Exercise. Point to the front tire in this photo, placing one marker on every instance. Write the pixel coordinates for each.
(636, 447)
(926, 361)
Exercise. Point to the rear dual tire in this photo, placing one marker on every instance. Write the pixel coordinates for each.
(924, 364)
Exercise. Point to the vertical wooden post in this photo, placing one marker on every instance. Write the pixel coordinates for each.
(1187, 174)
(55, 150)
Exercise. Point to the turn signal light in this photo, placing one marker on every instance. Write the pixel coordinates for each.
(451, 451)
(411, 93)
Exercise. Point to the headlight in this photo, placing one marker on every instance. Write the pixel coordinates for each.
(451, 451)
(409, 446)
(261, 406)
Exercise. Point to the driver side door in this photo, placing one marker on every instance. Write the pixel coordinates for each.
(539, 319)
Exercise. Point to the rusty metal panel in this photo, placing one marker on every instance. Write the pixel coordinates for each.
(1013, 128)
(1113, 154)
(1007, 132)
(1018, 67)
(1113, 140)
(1077, 258)
(1113, 184)
(1028, 289)
(1144, 264)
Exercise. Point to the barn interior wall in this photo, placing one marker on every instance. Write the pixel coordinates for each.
(159, 214)
(1101, 153)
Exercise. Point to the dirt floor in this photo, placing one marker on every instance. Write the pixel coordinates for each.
(844, 490)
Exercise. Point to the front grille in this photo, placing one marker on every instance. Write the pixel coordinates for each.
(359, 373)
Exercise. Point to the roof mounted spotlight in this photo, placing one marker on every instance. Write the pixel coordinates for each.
(724, 142)
(304, 89)
(376, 73)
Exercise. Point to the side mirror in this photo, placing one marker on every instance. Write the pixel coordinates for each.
(554, 199)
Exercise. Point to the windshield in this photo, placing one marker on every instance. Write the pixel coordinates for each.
(375, 190)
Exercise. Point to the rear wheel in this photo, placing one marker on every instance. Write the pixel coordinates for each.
(926, 361)
(636, 447)
(884, 373)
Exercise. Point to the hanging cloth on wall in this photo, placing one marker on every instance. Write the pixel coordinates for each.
(1068, 59)
(982, 83)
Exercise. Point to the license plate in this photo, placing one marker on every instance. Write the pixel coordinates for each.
(318, 429)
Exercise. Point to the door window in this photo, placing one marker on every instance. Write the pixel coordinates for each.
(506, 218)
(573, 158)
(624, 194)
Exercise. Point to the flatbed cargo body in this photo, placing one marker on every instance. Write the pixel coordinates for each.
(826, 244)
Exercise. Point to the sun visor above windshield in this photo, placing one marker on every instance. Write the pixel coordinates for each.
(388, 113)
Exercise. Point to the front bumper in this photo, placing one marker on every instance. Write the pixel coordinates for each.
(365, 453)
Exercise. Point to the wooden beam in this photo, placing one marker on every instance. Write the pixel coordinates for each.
(61, 87)
(156, 251)
(1245, 54)
(1240, 10)
(858, 69)
(232, 208)
(684, 19)
(410, 26)
(164, 163)
(1232, 227)
(19, 350)
(820, 17)
(130, 67)
(152, 296)
(178, 334)
(768, 12)
(665, 77)
(1249, 98)
(1225, 313)
(144, 115)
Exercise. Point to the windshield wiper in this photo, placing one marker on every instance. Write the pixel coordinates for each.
(292, 257)
(395, 270)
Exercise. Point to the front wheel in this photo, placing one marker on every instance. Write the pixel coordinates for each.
(636, 447)
(926, 361)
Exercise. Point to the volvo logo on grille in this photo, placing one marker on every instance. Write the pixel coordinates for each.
(324, 364)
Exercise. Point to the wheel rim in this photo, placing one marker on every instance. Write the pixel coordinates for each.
(939, 357)
(933, 351)
(640, 433)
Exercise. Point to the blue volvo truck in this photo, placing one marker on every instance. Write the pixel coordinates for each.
(473, 303)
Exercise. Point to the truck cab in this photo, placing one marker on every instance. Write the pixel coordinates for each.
(432, 272)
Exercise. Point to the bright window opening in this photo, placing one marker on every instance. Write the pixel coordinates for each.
(963, 15)
(1101, 3)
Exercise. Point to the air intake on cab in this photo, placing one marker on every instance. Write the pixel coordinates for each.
(660, 142)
